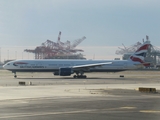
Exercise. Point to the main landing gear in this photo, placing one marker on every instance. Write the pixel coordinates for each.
(79, 75)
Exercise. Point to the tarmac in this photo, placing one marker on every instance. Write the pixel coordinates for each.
(101, 96)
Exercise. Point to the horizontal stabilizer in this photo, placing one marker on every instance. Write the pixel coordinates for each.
(143, 64)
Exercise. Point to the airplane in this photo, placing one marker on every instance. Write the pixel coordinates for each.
(66, 67)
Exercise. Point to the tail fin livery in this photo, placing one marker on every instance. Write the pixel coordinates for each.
(140, 54)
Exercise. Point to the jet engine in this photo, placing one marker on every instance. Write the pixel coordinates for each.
(64, 72)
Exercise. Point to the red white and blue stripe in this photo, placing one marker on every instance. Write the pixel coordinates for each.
(140, 54)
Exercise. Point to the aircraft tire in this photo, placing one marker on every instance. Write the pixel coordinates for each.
(75, 76)
(84, 76)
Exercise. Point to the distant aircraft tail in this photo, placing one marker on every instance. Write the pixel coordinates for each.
(140, 54)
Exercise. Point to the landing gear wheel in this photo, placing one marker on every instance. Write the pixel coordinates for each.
(15, 76)
(84, 76)
(79, 76)
(75, 76)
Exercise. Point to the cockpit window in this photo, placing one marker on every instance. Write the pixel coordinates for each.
(8, 64)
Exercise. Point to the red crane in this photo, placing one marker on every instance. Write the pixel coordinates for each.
(49, 49)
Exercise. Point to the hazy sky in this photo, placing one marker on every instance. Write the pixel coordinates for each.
(105, 23)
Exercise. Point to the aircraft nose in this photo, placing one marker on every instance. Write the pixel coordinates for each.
(4, 66)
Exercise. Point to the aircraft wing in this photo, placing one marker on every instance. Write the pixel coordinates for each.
(91, 65)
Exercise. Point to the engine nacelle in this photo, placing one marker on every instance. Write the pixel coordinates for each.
(65, 71)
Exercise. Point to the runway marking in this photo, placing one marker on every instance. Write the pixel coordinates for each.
(20, 101)
(154, 96)
(18, 115)
(149, 111)
(127, 107)
(50, 113)
(33, 98)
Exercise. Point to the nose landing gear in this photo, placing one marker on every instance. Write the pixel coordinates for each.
(15, 76)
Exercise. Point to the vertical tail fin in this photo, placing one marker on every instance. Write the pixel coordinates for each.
(140, 54)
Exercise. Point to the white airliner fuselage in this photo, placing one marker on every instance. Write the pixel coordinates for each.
(67, 67)
(54, 65)
(75, 65)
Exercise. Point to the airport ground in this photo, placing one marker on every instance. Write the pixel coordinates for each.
(101, 96)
